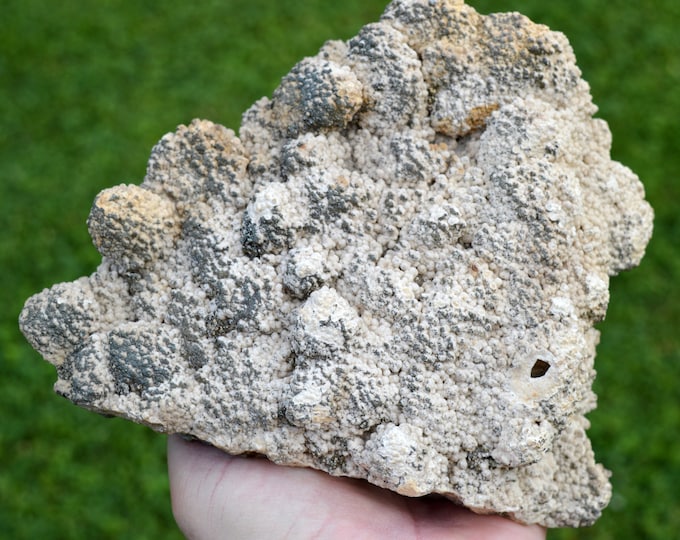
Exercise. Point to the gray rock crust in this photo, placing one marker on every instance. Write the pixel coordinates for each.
(393, 273)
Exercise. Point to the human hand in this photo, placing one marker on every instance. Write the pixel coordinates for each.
(217, 496)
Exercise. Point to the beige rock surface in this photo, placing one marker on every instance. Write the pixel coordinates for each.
(393, 272)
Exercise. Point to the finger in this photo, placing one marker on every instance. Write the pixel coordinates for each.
(219, 496)
(440, 519)
(216, 496)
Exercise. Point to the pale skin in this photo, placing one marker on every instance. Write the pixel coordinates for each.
(217, 496)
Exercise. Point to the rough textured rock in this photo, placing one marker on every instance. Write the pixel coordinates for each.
(392, 274)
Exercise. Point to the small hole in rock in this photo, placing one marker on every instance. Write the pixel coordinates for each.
(539, 368)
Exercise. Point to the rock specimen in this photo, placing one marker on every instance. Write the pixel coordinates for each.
(393, 273)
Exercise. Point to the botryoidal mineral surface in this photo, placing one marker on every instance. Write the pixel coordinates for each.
(393, 272)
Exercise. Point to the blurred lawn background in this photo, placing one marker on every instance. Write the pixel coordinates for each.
(87, 88)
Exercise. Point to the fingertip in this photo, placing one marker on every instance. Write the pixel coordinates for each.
(194, 471)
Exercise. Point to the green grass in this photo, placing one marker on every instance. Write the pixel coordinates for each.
(87, 88)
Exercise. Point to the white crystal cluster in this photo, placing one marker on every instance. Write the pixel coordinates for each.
(393, 272)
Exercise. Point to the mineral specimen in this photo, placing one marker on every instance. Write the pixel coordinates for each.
(393, 273)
